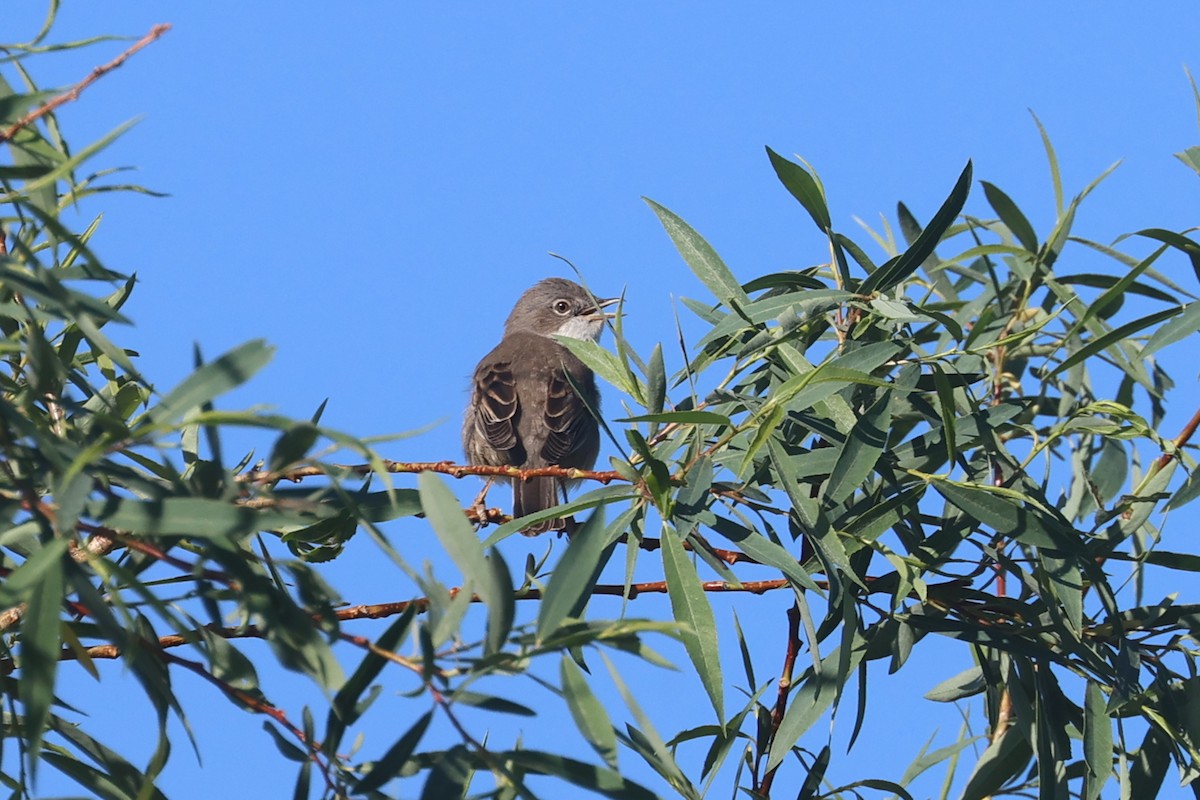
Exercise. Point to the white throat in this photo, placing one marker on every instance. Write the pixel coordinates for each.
(581, 328)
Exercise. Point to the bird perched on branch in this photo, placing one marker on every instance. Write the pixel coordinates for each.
(533, 403)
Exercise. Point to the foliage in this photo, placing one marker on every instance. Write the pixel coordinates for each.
(937, 448)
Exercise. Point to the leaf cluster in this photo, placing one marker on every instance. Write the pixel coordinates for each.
(954, 447)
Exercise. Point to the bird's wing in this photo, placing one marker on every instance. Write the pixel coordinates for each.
(570, 424)
(495, 405)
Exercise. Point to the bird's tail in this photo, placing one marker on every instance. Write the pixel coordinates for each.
(538, 494)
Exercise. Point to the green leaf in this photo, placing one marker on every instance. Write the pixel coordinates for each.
(602, 781)
(650, 744)
(1097, 741)
(1113, 295)
(603, 363)
(292, 445)
(1052, 161)
(701, 258)
(575, 574)
(346, 707)
(691, 607)
(793, 305)
(395, 758)
(1187, 562)
(1065, 587)
(39, 645)
(450, 775)
(656, 381)
(1101, 343)
(765, 551)
(588, 712)
(747, 661)
(597, 498)
(945, 395)
(190, 516)
(1008, 517)
(816, 693)
(1191, 157)
(683, 418)
(458, 537)
(502, 610)
(1010, 214)
(908, 262)
(764, 430)
(861, 451)
(1004, 759)
(1177, 240)
(22, 581)
(214, 378)
(489, 702)
(1187, 323)
(1150, 765)
(804, 187)
(967, 683)
(122, 779)
(812, 781)
(1021, 521)
(285, 747)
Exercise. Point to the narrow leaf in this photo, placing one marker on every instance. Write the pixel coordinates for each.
(39, 649)
(575, 574)
(682, 418)
(691, 607)
(910, 260)
(1011, 216)
(1176, 330)
(701, 258)
(1101, 343)
(214, 378)
(1097, 741)
(861, 451)
(457, 536)
(804, 187)
(396, 757)
(588, 712)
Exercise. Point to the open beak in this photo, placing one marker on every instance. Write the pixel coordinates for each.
(600, 313)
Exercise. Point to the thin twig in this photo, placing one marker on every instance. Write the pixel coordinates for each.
(73, 93)
(383, 610)
(261, 706)
(785, 685)
(1180, 441)
(443, 467)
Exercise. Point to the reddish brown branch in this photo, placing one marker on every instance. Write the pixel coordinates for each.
(785, 685)
(73, 93)
(1180, 441)
(443, 467)
(256, 704)
(383, 610)
(111, 539)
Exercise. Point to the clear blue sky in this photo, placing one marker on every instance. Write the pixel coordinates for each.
(371, 187)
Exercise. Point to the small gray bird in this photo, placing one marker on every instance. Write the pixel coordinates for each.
(533, 403)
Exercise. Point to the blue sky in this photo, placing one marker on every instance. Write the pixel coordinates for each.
(371, 188)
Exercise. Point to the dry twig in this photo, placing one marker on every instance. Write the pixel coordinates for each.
(73, 93)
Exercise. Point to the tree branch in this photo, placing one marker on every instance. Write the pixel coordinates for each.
(443, 467)
(785, 685)
(73, 93)
(261, 706)
(1181, 440)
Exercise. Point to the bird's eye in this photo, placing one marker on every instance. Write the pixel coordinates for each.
(562, 307)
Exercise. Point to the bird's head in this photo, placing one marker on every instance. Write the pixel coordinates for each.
(559, 307)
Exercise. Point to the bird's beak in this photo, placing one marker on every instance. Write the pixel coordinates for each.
(600, 313)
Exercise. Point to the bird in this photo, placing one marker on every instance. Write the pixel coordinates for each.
(533, 403)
